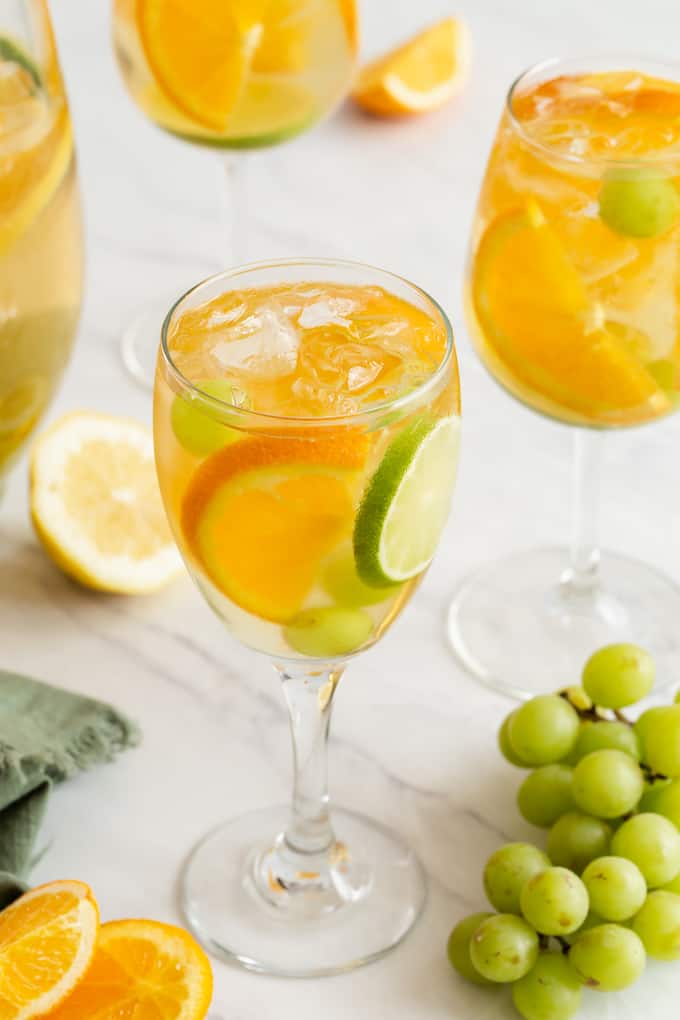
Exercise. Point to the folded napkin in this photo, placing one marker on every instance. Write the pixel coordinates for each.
(46, 735)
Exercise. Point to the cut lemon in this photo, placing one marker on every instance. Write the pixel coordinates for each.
(96, 506)
(142, 969)
(47, 942)
(536, 317)
(404, 508)
(419, 76)
(260, 516)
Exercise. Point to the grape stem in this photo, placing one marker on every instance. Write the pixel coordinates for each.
(563, 944)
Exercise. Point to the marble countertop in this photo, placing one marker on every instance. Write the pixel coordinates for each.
(414, 739)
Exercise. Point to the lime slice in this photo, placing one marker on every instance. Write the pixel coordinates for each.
(404, 508)
(13, 52)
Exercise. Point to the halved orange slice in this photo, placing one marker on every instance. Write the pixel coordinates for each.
(47, 942)
(261, 515)
(419, 76)
(142, 969)
(535, 315)
(198, 54)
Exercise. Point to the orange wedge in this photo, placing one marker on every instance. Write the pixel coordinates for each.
(535, 315)
(142, 969)
(419, 76)
(47, 942)
(261, 515)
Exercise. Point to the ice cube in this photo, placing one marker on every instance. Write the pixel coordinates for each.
(360, 376)
(265, 344)
(331, 312)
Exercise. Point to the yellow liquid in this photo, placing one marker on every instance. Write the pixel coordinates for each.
(265, 519)
(290, 62)
(572, 313)
(40, 250)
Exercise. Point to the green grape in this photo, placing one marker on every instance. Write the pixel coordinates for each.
(616, 887)
(458, 948)
(551, 991)
(194, 424)
(673, 885)
(618, 675)
(504, 948)
(653, 843)
(506, 748)
(607, 784)
(329, 631)
(602, 736)
(643, 723)
(658, 925)
(666, 801)
(638, 202)
(608, 957)
(555, 902)
(677, 698)
(659, 732)
(577, 839)
(652, 794)
(545, 795)
(577, 697)
(341, 581)
(543, 730)
(507, 871)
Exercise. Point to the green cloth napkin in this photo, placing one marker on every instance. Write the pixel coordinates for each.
(46, 735)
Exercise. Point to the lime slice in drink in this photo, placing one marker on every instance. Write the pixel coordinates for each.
(13, 53)
(406, 503)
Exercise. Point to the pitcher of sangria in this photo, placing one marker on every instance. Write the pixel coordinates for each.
(41, 250)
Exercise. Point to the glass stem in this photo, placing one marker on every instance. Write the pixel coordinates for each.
(584, 565)
(310, 700)
(235, 209)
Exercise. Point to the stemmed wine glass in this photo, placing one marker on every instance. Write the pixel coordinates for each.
(573, 306)
(306, 423)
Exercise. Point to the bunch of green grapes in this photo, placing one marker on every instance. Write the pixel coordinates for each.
(606, 892)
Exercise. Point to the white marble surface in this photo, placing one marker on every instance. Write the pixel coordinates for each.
(413, 738)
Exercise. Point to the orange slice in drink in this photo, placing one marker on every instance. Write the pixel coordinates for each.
(537, 319)
(142, 969)
(198, 54)
(419, 76)
(47, 942)
(261, 514)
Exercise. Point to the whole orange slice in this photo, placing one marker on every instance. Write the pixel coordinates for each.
(142, 969)
(536, 318)
(47, 942)
(260, 516)
(422, 75)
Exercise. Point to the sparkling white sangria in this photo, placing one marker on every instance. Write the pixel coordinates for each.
(305, 512)
(40, 226)
(306, 423)
(573, 299)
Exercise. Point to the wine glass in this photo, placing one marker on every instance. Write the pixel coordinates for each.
(232, 75)
(41, 256)
(306, 422)
(573, 307)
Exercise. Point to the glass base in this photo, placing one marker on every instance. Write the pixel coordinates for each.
(522, 626)
(140, 340)
(326, 920)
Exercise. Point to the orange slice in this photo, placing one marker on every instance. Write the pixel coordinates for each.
(535, 315)
(419, 76)
(142, 969)
(260, 516)
(47, 942)
(198, 54)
